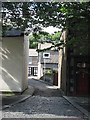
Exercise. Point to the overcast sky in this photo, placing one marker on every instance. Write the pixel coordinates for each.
(51, 29)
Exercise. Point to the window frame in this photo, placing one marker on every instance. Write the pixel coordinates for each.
(46, 56)
(30, 60)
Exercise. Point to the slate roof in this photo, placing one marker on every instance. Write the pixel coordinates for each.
(44, 46)
(33, 52)
(13, 32)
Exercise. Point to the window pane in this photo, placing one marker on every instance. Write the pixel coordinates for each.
(46, 55)
(30, 60)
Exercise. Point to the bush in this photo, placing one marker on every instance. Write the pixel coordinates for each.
(55, 71)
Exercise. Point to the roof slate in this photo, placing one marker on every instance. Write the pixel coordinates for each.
(13, 32)
(33, 52)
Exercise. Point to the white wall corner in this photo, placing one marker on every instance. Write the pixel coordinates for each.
(0, 59)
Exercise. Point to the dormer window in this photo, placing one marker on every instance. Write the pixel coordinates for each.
(46, 55)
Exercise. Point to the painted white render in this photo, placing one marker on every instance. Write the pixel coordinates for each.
(25, 62)
(0, 61)
(39, 66)
(59, 67)
(62, 61)
(13, 64)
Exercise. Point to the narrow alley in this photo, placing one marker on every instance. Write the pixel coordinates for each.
(46, 102)
(44, 90)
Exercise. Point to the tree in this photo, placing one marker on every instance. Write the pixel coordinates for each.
(42, 37)
(29, 14)
(43, 13)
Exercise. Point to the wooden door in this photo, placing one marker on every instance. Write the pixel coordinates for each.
(82, 78)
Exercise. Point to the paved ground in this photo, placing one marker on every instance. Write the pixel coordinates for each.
(82, 101)
(8, 100)
(47, 102)
(44, 90)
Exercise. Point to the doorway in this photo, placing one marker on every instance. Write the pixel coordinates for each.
(82, 78)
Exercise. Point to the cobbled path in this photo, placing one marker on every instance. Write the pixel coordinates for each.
(42, 105)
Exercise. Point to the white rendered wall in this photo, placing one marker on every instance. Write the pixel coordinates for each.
(0, 62)
(25, 62)
(12, 64)
(59, 67)
(39, 66)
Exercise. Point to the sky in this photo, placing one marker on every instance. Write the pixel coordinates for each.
(51, 29)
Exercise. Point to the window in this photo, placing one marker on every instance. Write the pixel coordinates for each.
(32, 71)
(29, 71)
(46, 55)
(35, 71)
(30, 60)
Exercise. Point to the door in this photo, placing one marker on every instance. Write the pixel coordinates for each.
(82, 79)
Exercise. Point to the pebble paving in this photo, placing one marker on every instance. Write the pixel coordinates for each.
(37, 106)
(42, 107)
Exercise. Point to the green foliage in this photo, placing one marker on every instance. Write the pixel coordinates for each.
(35, 38)
(56, 36)
(48, 71)
(78, 36)
(57, 14)
(42, 37)
(55, 71)
(33, 42)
